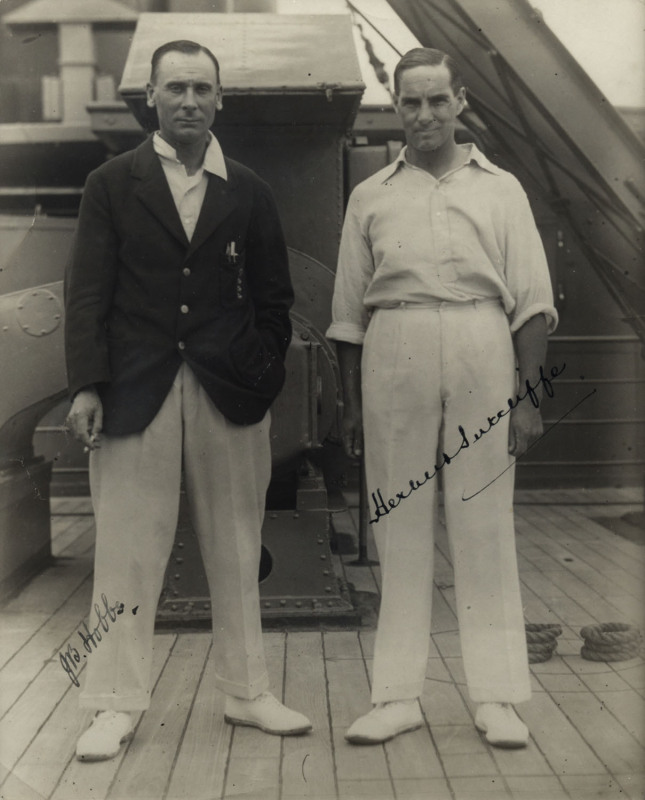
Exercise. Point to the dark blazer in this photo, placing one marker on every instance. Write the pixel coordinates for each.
(140, 298)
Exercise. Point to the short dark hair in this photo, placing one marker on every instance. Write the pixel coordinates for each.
(428, 57)
(179, 46)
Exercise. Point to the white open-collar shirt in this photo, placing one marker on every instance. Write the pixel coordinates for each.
(410, 238)
(189, 191)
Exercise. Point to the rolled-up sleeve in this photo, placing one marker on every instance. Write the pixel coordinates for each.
(350, 316)
(526, 269)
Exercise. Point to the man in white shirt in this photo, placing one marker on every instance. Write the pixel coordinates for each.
(442, 289)
(177, 326)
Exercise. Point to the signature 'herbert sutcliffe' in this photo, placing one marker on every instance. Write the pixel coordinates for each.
(382, 508)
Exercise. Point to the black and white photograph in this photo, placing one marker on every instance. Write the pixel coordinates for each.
(322, 420)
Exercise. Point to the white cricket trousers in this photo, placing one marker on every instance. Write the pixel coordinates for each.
(425, 372)
(135, 483)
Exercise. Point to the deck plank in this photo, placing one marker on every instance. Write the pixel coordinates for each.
(626, 706)
(71, 535)
(537, 608)
(414, 756)
(486, 787)
(41, 765)
(356, 763)
(632, 786)
(23, 616)
(16, 629)
(444, 614)
(39, 768)
(441, 701)
(558, 739)
(349, 698)
(251, 778)
(462, 749)
(529, 787)
(422, 789)
(49, 639)
(62, 506)
(49, 590)
(520, 763)
(308, 763)
(365, 788)
(568, 594)
(587, 596)
(614, 745)
(145, 770)
(203, 751)
(594, 543)
(618, 551)
(360, 577)
(583, 787)
(560, 605)
(31, 711)
(349, 691)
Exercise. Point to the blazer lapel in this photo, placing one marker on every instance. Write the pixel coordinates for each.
(222, 197)
(154, 192)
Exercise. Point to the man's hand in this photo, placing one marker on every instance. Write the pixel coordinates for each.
(85, 418)
(352, 433)
(525, 428)
(526, 422)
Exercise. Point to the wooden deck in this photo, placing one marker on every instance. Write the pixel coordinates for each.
(586, 718)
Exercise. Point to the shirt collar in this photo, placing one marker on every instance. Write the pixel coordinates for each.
(213, 157)
(474, 155)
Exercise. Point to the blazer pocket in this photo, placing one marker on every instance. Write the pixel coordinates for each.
(233, 283)
(255, 365)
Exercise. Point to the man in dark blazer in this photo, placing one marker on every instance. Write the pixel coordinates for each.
(177, 326)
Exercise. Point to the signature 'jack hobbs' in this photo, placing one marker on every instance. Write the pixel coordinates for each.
(70, 660)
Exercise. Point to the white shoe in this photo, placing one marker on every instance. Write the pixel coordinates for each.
(266, 713)
(502, 726)
(103, 739)
(385, 721)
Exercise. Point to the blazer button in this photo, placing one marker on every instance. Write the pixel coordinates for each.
(186, 271)
(181, 345)
(183, 309)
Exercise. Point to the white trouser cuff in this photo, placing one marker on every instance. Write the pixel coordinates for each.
(243, 690)
(110, 702)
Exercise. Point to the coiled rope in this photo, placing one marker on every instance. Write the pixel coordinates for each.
(541, 640)
(611, 641)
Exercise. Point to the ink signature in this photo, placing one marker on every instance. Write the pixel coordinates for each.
(383, 508)
(71, 659)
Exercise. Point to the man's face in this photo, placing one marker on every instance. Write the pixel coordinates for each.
(428, 107)
(186, 94)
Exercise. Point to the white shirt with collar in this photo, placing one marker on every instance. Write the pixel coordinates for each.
(409, 237)
(188, 191)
